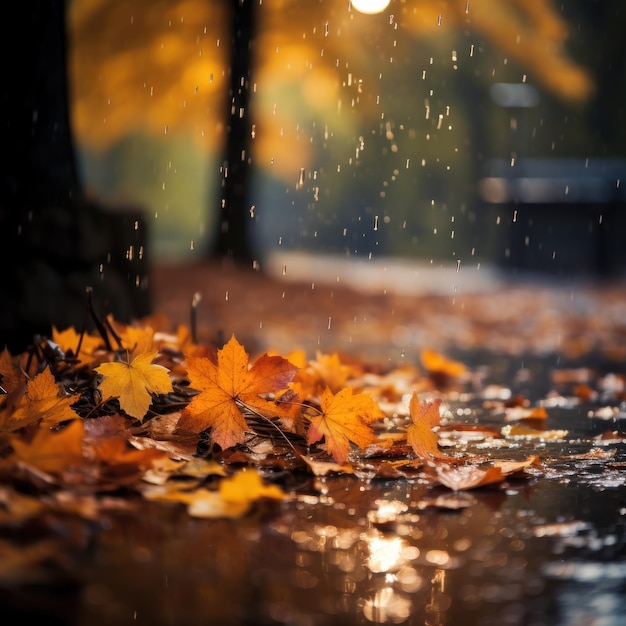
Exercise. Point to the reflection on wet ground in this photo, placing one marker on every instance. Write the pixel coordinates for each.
(547, 548)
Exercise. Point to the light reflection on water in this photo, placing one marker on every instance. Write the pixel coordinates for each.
(547, 549)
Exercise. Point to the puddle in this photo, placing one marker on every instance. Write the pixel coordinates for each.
(549, 547)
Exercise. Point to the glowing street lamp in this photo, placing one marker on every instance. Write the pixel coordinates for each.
(370, 6)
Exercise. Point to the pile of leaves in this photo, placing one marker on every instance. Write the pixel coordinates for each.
(160, 417)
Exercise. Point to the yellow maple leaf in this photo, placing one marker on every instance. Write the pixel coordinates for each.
(228, 387)
(52, 451)
(345, 418)
(420, 434)
(43, 401)
(132, 383)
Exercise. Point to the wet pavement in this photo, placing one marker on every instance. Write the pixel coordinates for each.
(546, 547)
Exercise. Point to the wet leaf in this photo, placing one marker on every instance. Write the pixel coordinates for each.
(441, 368)
(522, 431)
(44, 401)
(344, 419)
(52, 451)
(463, 477)
(228, 387)
(132, 383)
(420, 434)
(516, 413)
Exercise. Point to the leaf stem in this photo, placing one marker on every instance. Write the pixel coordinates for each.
(272, 424)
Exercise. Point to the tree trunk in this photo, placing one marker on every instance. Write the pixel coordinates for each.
(233, 239)
(54, 242)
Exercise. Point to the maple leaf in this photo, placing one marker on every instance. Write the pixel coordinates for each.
(344, 419)
(441, 369)
(470, 476)
(420, 434)
(12, 375)
(68, 340)
(52, 451)
(119, 463)
(132, 383)
(326, 370)
(138, 339)
(116, 451)
(43, 401)
(14, 384)
(228, 387)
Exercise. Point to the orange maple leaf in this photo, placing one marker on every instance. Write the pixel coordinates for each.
(116, 451)
(420, 435)
(52, 451)
(137, 339)
(68, 340)
(12, 375)
(228, 387)
(43, 401)
(440, 367)
(326, 370)
(132, 383)
(344, 419)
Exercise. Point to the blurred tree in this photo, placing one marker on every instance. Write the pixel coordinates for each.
(233, 239)
(54, 244)
(315, 87)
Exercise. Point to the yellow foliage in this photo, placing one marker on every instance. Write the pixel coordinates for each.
(160, 67)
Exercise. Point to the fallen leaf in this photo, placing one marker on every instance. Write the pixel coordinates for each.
(420, 434)
(228, 387)
(463, 477)
(69, 341)
(516, 413)
(52, 451)
(136, 339)
(344, 419)
(12, 376)
(441, 368)
(519, 430)
(511, 467)
(44, 401)
(117, 451)
(593, 454)
(326, 370)
(132, 383)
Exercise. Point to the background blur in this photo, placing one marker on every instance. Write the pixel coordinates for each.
(428, 131)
